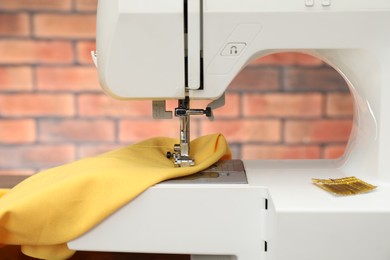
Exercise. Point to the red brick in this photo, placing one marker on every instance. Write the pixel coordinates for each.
(252, 152)
(136, 130)
(318, 131)
(98, 105)
(15, 78)
(283, 105)
(17, 131)
(256, 78)
(288, 58)
(334, 151)
(36, 156)
(101, 105)
(65, 25)
(84, 49)
(36, 105)
(35, 4)
(312, 79)
(244, 130)
(77, 130)
(235, 149)
(67, 78)
(339, 104)
(86, 5)
(14, 24)
(35, 51)
(8, 172)
(93, 150)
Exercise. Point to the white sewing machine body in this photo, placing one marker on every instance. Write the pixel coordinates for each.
(228, 221)
(277, 215)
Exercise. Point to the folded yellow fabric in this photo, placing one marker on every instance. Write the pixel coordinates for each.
(2, 192)
(55, 206)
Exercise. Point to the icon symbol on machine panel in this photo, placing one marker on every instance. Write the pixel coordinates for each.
(233, 49)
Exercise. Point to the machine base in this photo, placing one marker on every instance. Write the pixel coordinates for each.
(279, 214)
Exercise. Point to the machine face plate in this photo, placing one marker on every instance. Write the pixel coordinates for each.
(222, 172)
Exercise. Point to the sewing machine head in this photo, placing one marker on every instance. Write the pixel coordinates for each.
(195, 49)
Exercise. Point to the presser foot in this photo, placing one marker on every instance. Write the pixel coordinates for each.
(184, 162)
(180, 160)
(181, 152)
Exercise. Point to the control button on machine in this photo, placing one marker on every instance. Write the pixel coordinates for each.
(309, 3)
(233, 49)
(326, 2)
(226, 56)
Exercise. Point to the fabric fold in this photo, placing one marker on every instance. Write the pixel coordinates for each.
(2, 192)
(55, 206)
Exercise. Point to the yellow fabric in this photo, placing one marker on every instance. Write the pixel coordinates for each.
(2, 192)
(55, 206)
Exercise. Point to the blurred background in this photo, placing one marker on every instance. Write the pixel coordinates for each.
(52, 110)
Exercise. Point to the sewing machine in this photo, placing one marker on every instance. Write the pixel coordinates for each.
(258, 209)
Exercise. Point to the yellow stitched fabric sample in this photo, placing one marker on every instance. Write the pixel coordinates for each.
(55, 206)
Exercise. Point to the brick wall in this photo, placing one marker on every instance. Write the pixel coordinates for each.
(52, 110)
